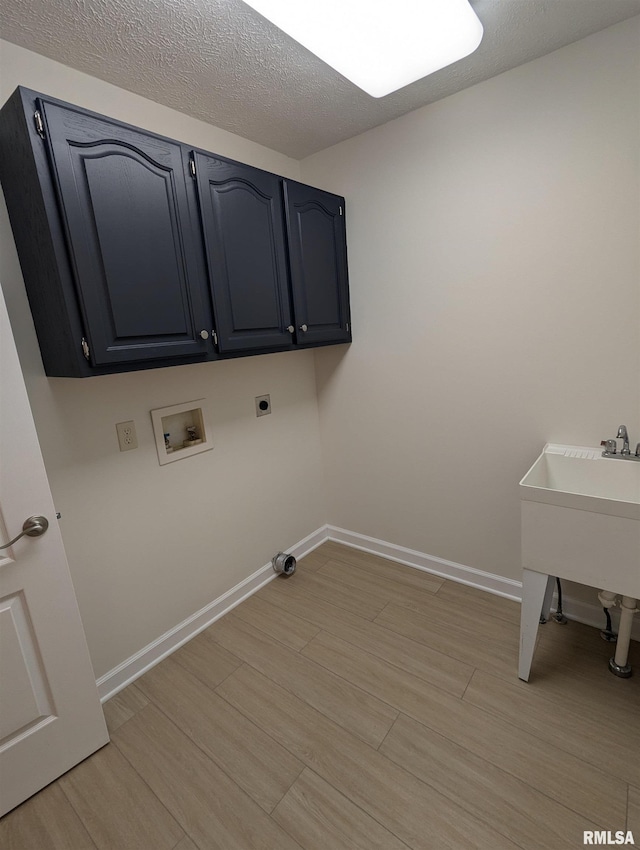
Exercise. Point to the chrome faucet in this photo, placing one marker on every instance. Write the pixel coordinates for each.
(625, 454)
(622, 435)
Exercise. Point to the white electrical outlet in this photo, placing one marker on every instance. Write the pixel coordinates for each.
(127, 437)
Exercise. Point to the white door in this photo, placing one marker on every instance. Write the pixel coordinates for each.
(50, 713)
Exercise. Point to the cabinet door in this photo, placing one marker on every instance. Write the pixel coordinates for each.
(241, 209)
(318, 258)
(125, 209)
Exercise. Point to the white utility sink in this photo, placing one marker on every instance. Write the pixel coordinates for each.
(581, 518)
(575, 477)
(580, 521)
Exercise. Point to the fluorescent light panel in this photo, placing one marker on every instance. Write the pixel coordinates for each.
(380, 46)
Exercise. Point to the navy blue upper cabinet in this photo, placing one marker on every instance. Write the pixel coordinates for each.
(124, 206)
(318, 260)
(243, 227)
(138, 251)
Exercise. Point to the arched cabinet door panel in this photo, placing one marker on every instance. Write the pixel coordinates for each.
(242, 221)
(125, 211)
(318, 262)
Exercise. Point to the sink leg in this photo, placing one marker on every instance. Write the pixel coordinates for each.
(537, 591)
(619, 665)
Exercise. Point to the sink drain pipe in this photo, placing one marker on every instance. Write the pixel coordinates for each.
(619, 664)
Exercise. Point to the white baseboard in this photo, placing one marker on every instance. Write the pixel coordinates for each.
(591, 614)
(149, 656)
(122, 675)
(498, 585)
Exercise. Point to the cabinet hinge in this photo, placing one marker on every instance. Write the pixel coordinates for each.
(85, 348)
(340, 210)
(214, 336)
(192, 166)
(37, 118)
(347, 327)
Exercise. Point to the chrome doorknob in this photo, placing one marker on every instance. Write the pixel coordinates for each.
(291, 329)
(35, 526)
(304, 328)
(204, 334)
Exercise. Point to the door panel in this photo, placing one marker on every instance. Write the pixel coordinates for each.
(131, 250)
(322, 291)
(318, 257)
(28, 700)
(50, 713)
(125, 208)
(241, 210)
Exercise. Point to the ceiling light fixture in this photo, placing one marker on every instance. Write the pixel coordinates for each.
(380, 45)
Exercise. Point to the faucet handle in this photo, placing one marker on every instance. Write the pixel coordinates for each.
(638, 450)
(610, 446)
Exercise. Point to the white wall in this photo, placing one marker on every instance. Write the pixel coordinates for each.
(149, 545)
(494, 268)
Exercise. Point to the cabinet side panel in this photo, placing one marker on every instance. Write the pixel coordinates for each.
(41, 248)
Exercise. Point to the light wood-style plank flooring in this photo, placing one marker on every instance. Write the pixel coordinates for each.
(357, 705)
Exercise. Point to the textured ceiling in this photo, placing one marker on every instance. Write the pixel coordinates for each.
(219, 61)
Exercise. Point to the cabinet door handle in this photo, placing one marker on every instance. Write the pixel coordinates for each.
(304, 328)
(291, 329)
(204, 334)
(35, 526)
